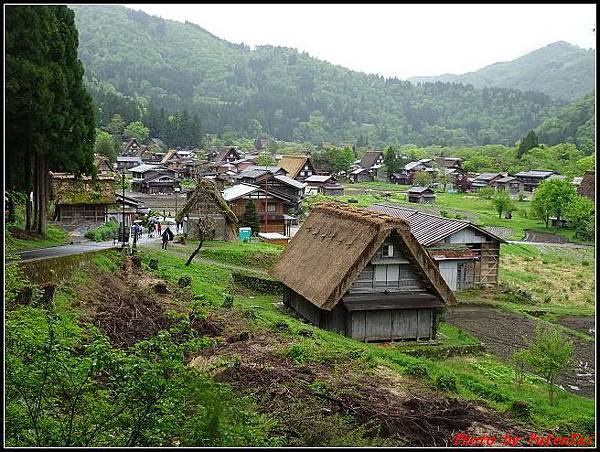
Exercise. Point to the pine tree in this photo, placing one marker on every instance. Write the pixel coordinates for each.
(250, 217)
(528, 142)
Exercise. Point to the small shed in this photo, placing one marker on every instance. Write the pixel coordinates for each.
(421, 195)
(362, 274)
(332, 189)
(274, 238)
(361, 175)
(510, 183)
(399, 178)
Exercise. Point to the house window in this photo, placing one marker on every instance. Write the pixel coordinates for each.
(386, 275)
(388, 250)
(271, 208)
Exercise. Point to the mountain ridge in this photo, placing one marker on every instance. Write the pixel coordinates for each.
(550, 69)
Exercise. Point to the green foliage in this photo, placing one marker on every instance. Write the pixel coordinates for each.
(581, 215)
(394, 162)
(552, 197)
(138, 131)
(422, 179)
(528, 142)
(281, 92)
(571, 76)
(265, 159)
(104, 232)
(334, 159)
(574, 124)
(250, 217)
(105, 145)
(445, 382)
(502, 202)
(549, 354)
(486, 192)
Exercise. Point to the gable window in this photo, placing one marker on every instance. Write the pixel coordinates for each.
(387, 275)
(271, 207)
(387, 250)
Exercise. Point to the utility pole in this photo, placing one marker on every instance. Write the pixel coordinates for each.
(176, 222)
(266, 198)
(123, 204)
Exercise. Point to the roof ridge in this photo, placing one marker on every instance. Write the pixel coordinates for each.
(425, 213)
(355, 213)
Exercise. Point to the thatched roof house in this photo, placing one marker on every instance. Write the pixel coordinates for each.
(81, 198)
(587, 187)
(206, 199)
(363, 274)
(298, 166)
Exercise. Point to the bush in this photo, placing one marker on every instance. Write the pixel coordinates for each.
(486, 192)
(521, 409)
(104, 232)
(297, 353)
(416, 370)
(445, 382)
(184, 281)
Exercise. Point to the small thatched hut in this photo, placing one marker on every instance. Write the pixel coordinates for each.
(362, 274)
(207, 200)
(81, 198)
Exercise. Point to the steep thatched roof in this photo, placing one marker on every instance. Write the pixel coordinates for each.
(66, 189)
(333, 246)
(293, 164)
(587, 187)
(370, 158)
(206, 188)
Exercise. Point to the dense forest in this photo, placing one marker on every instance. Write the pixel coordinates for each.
(136, 66)
(575, 123)
(560, 70)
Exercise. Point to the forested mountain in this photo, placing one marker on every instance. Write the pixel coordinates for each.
(575, 123)
(560, 70)
(138, 64)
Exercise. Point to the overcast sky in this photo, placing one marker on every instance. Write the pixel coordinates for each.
(396, 40)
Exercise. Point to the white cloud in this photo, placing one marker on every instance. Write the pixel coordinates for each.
(396, 40)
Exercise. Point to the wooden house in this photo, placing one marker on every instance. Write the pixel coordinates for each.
(587, 187)
(510, 183)
(318, 180)
(154, 179)
(421, 195)
(401, 178)
(275, 180)
(467, 255)
(362, 274)
(271, 206)
(298, 167)
(207, 201)
(226, 155)
(102, 164)
(361, 175)
(371, 160)
(451, 163)
(83, 198)
(412, 168)
(125, 163)
(531, 179)
(485, 180)
(131, 148)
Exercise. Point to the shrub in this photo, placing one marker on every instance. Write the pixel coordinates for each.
(486, 192)
(445, 382)
(521, 409)
(585, 263)
(297, 352)
(228, 301)
(184, 281)
(416, 370)
(104, 232)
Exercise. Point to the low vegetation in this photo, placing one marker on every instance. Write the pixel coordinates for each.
(105, 232)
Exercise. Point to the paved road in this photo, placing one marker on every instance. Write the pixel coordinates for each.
(67, 250)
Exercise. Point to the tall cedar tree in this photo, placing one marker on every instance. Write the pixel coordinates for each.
(49, 114)
(250, 217)
(528, 142)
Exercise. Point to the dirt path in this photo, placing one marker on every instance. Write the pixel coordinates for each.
(504, 333)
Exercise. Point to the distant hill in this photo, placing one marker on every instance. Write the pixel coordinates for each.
(575, 123)
(560, 70)
(137, 64)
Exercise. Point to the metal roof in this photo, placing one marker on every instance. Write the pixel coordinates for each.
(536, 173)
(419, 189)
(237, 191)
(427, 228)
(128, 159)
(505, 179)
(317, 178)
(487, 176)
(290, 181)
(144, 167)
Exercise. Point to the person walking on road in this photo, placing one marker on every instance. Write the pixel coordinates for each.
(159, 228)
(166, 237)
